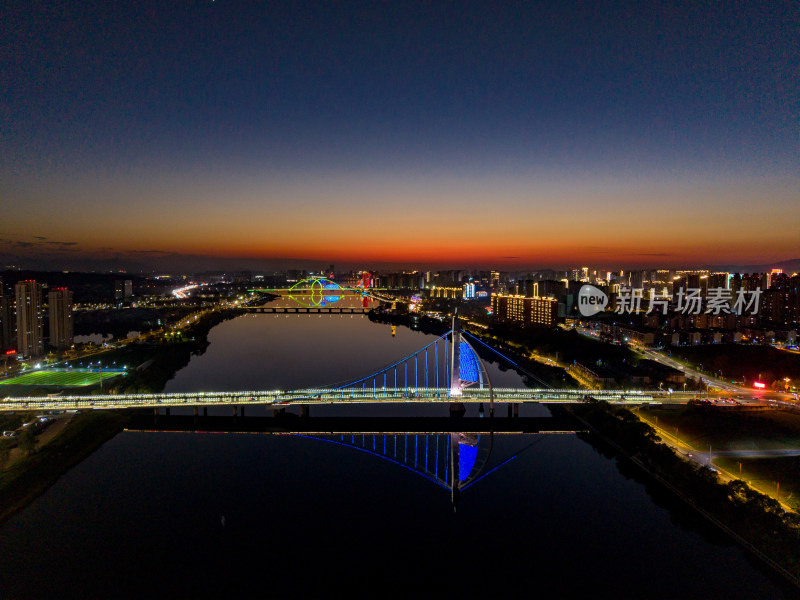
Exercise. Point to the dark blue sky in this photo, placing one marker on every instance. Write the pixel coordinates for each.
(128, 102)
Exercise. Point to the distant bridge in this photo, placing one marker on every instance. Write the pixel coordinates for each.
(303, 310)
(316, 291)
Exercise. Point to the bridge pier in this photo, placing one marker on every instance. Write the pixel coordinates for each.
(516, 410)
(457, 409)
(241, 410)
(304, 411)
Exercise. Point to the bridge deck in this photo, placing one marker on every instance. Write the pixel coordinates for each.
(363, 395)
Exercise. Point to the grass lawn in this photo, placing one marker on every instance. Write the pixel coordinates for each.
(779, 477)
(61, 378)
(728, 429)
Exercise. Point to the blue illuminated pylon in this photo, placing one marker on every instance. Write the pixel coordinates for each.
(455, 359)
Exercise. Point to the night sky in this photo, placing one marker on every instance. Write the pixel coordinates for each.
(462, 134)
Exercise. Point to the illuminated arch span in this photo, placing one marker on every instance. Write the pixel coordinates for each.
(315, 283)
(320, 291)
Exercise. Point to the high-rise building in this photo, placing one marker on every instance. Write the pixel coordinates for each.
(123, 289)
(636, 279)
(7, 325)
(548, 288)
(61, 326)
(30, 340)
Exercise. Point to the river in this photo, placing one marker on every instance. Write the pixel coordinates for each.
(189, 514)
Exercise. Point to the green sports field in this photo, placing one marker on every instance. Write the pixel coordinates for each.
(61, 378)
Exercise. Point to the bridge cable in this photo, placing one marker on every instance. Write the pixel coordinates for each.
(504, 357)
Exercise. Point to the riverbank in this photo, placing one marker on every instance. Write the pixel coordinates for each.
(30, 476)
(151, 364)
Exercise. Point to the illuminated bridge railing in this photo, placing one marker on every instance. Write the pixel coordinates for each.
(280, 398)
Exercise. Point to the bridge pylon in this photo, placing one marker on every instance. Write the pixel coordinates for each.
(455, 358)
(462, 353)
(457, 409)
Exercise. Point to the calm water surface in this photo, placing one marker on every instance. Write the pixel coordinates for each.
(179, 515)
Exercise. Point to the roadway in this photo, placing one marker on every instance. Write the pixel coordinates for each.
(714, 382)
(362, 395)
(723, 386)
(706, 459)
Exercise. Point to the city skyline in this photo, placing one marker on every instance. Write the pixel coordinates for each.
(211, 133)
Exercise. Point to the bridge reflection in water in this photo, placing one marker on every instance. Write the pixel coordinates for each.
(453, 461)
(453, 453)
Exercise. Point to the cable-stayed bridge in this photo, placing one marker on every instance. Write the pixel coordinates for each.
(447, 371)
